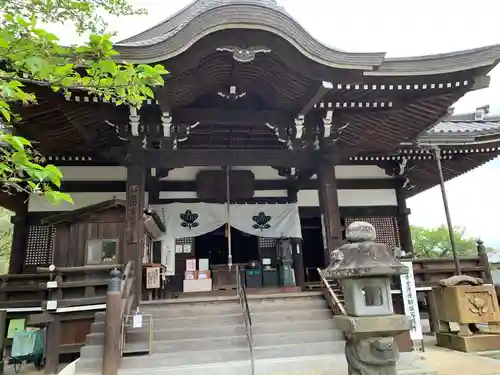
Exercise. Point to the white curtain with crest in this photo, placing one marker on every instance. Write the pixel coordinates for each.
(197, 219)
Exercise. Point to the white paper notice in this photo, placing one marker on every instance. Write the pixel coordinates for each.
(137, 321)
(203, 264)
(190, 264)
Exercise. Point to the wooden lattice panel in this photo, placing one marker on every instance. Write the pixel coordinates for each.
(265, 243)
(386, 227)
(184, 241)
(40, 244)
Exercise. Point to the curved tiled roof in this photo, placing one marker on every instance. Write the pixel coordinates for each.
(468, 123)
(202, 17)
(487, 125)
(187, 14)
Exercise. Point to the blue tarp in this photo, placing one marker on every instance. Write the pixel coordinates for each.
(27, 343)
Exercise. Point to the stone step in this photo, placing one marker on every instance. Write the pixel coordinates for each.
(188, 358)
(332, 364)
(298, 350)
(292, 326)
(142, 334)
(269, 339)
(186, 310)
(281, 304)
(230, 354)
(95, 350)
(190, 321)
(291, 315)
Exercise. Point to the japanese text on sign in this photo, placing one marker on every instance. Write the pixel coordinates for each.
(152, 277)
(410, 301)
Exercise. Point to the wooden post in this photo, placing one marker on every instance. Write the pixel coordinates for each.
(403, 221)
(433, 312)
(437, 153)
(19, 240)
(3, 333)
(136, 178)
(52, 347)
(298, 257)
(329, 206)
(112, 326)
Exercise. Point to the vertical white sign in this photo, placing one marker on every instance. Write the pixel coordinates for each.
(409, 295)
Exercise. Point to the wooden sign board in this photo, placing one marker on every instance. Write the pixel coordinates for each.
(153, 278)
(409, 294)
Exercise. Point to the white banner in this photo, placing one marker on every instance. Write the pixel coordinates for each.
(267, 220)
(197, 219)
(191, 220)
(410, 301)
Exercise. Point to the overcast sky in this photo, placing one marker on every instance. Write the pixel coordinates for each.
(400, 28)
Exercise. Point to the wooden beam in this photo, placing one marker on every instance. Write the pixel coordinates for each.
(322, 90)
(212, 158)
(229, 116)
(309, 184)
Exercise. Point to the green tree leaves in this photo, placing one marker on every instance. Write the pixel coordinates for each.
(435, 242)
(31, 56)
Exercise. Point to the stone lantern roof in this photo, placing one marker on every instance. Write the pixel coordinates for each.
(362, 257)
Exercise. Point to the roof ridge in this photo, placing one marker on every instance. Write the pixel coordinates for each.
(190, 11)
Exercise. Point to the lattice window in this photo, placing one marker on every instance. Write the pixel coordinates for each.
(386, 227)
(186, 244)
(40, 245)
(265, 243)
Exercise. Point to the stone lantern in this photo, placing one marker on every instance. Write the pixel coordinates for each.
(364, 269)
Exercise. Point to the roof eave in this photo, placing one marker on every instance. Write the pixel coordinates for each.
(457, 139)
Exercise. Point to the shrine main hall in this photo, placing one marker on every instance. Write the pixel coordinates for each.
(259, 150)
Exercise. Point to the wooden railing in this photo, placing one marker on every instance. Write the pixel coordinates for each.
(428, 271)
(74, 286)
(120, 299)
(331, 297)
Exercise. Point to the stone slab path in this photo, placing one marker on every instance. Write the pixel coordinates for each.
(449, 362)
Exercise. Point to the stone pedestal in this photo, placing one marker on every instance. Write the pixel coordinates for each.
(370, 346)
(469, 315)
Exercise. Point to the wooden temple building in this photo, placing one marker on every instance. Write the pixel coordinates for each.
(301, 137)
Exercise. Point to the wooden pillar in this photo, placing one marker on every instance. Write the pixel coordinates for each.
(52, 347)
(19, 239)
(298, 257)
(329, 207)
(136, 180)
(112, 326)
(403, 220)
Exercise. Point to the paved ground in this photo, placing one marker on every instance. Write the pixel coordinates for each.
(449, 362)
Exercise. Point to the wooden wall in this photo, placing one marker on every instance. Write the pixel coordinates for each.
(65, 245)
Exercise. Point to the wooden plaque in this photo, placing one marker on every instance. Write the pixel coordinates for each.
(153, 278)
(211, 185)
(132, 213)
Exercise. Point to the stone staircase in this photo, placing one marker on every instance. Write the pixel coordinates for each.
(293, 325)
(208, 334)
(292, 333)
